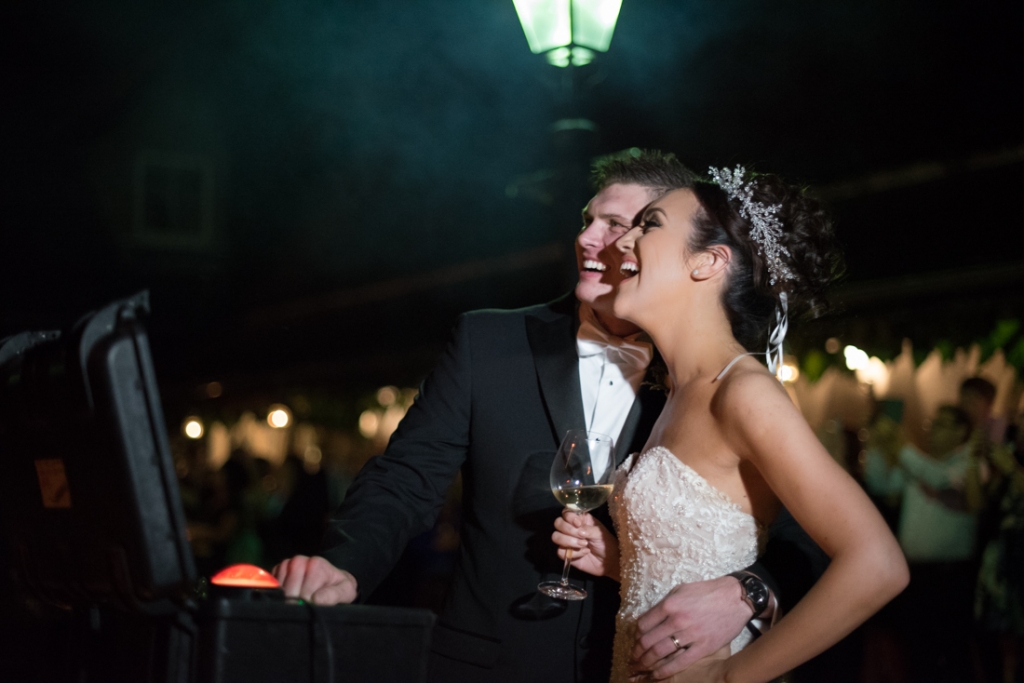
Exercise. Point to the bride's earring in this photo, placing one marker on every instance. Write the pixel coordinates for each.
(696, 272)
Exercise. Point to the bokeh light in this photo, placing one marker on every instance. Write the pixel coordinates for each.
(855, 358)
(279, 416)
(192, 428)
(386, 396)
(875, 373)
(369, 421)
(789, 372)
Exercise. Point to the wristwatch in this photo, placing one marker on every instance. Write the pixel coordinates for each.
(755, 592)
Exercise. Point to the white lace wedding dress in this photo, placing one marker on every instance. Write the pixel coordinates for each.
(673, 527)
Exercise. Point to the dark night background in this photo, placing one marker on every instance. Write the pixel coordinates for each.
(372, 169)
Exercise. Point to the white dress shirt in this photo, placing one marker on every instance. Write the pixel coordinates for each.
(611, 370)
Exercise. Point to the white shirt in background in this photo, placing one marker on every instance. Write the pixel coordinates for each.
(930, 531)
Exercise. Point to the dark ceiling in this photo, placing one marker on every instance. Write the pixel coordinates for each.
(374, 167)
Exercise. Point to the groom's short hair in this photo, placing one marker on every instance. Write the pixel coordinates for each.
(659, 171)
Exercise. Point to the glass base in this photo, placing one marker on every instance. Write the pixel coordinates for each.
(561, 591)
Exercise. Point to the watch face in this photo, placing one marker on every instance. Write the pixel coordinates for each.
(757, 593)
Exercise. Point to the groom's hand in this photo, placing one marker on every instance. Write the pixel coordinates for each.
(702, 617)
(315, 580)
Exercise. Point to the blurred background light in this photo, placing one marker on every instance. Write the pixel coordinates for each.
(386, 396)
(369, 421)
(311, 458)
(279, 416)
(313, 455)
(875, 373)
(789, 372)
(855, 358)
(192, 428)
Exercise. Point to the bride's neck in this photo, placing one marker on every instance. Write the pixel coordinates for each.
(697, 343)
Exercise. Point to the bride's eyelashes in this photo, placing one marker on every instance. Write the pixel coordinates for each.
(651, 219)
(649, 223)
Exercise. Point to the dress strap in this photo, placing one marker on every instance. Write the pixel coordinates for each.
(733, 362)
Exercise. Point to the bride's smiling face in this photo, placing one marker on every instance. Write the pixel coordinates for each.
(656, 262)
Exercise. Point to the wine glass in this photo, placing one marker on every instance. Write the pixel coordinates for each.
(575, 487)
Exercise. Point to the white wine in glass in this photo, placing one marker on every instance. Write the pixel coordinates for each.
(575, 486)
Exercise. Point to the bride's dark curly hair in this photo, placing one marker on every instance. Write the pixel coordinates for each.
(749, 297)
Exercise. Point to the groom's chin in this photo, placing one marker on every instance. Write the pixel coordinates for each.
(620, 308)
(595, 293)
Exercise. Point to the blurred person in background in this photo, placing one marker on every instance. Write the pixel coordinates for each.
(999, 599)
(937, 534)
(882, 476)
(884, 659)
(977, 398)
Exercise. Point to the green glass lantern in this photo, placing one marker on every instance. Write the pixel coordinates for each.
(568, 31)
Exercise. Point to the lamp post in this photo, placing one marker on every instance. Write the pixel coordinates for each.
(570, 33)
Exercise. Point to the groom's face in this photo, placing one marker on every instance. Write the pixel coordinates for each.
(608, 216)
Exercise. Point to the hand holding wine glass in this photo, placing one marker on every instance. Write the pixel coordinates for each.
(595, 550)
(575, 486)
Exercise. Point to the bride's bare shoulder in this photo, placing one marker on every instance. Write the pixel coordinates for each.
(749, 394)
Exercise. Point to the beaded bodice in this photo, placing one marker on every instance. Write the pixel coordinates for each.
(673, 527)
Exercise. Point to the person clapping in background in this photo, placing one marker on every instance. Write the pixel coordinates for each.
(936, 530)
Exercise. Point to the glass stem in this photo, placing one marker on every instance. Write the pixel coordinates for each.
(565, 569)
(568, 563)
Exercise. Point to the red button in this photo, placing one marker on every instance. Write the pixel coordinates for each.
(244, 576)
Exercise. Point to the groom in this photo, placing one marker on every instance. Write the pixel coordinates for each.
(496, 407)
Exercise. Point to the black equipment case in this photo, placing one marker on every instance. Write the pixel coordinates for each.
(270, 641)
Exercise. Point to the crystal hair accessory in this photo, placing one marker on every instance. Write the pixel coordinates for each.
(766, 232)
(765, 226)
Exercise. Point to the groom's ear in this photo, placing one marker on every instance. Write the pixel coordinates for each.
(712, 261)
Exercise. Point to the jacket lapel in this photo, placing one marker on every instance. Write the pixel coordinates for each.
(552, 338)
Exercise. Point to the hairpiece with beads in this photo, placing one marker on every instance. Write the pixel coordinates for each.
(766, 232)
(765, 226)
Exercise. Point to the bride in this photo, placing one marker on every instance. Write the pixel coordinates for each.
(716, 272)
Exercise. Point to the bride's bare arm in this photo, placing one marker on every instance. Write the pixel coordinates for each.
(867, 570)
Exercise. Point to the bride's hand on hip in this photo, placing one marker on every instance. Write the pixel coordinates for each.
(692, 622)
(594, 549)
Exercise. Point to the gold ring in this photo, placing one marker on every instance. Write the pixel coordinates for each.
(679, 646)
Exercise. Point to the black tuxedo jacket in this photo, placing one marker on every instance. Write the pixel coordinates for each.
(496, 406)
